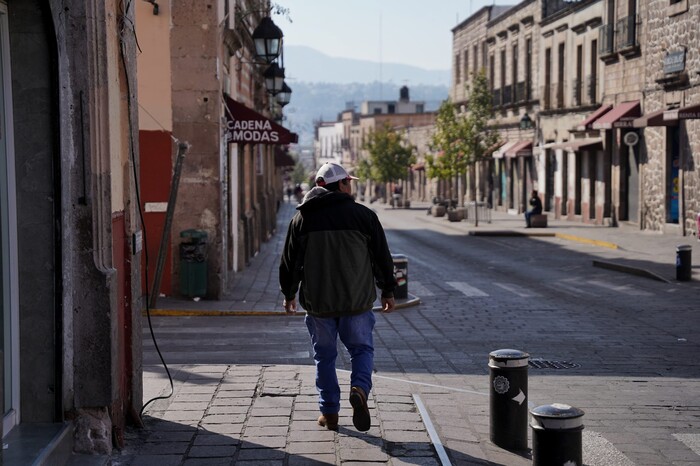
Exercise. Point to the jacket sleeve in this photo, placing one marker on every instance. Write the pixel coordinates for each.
(288, 276)
(382, 262)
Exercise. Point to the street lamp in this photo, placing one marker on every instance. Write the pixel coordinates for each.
(526, 122)
(267, 38)
(285, 95)
(274, 79)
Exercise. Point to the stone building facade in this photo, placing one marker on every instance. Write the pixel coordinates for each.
(614, 114)
(70, 276)
(670, 128)
(216, 101)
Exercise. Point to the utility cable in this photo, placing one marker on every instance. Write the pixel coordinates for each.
(132, 155)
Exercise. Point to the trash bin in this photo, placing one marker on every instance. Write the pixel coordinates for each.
(684, 259)
(508, 398)
(556, 435)
(193, 263)
(401, 274)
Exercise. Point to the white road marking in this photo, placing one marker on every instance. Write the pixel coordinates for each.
(568, 285)
(626, 289)
(442, 454)
(598, 451)
(518, 290)
(467, 290)
(691, 441)
(418, 289)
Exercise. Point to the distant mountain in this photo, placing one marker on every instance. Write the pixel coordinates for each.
(307, 64)
(323, 86)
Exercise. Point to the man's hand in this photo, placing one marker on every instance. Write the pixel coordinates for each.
(388, 305)
(290, 306)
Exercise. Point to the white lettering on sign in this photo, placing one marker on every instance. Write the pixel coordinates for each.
(252, 131)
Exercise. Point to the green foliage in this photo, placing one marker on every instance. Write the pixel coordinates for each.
(461, 140)
(299, 174)
(390, 155)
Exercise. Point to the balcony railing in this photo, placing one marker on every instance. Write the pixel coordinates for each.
(546, 97)
(606, 40)
(558, 90)
(520, 92)
(496, 98)
(626, 33)
(576, 92)
(592, 88)
(507, 95)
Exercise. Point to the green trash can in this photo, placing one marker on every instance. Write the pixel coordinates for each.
(193, 263)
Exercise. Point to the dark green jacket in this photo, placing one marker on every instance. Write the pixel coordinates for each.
(334, 255)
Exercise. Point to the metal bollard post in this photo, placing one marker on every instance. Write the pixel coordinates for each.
(401, 274)
(508, 398)
(684, 259)
(556, 435)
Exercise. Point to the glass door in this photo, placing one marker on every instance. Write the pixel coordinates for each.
(8, 240)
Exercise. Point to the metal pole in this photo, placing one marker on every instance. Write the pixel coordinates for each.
(182, 148)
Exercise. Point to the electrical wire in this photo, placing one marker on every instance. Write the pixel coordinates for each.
(132, 155)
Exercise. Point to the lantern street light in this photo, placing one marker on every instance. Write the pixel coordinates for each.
(267, 38)
(285, 95)
(526, 122)
(274, 79)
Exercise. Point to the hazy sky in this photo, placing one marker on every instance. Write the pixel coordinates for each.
(411, 32)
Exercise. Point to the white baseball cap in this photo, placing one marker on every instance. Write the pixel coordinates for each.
(330, 173)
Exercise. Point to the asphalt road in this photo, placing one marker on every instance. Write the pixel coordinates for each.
(622, 348)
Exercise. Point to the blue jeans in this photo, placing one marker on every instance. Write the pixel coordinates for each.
(356, 334)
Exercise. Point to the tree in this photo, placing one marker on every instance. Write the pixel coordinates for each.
(390, 155)
(460, 140)
(450, 142)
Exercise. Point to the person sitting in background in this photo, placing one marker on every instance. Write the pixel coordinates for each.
(536, 204)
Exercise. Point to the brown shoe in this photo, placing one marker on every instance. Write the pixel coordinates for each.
(360, 411)
(329, 421)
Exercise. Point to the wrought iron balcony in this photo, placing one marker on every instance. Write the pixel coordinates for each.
(626, 35)
(507, 95)
(576, 92)
(520, 92)
(592, 88)
(496, 97)
(606, 41)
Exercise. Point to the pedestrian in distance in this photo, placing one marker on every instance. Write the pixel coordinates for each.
(536, 204)
(336, 256)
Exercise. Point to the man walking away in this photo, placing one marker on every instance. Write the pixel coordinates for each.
(336, 254)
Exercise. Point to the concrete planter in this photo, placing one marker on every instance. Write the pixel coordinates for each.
(438, 210)
(455, 215)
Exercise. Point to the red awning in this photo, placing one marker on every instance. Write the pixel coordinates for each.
(653, 119)
(500, 153)
(578, 144)
(520, 149)
(691, 112)
(622, 116)
(586, 124)
(245, 125)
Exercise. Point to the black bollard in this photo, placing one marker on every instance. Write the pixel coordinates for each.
(508, 398)
(684, 262)
(556, 435)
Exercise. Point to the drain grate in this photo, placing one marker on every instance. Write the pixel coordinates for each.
(549, 364)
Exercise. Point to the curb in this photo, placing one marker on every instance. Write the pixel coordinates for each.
(579, 239)
(411, 301)
(631, 270)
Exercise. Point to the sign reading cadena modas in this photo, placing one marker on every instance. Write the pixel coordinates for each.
(245, 125)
